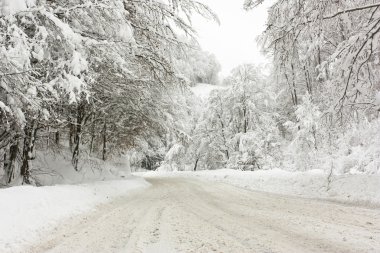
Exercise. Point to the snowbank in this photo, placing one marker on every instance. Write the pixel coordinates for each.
(52, 168)
(27, 212)
(358, 188)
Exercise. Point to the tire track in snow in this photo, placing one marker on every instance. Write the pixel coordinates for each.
(187, 215)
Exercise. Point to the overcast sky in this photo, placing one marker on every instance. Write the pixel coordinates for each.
(234, 41)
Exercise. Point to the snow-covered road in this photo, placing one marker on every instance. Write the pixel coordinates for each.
(188, 215)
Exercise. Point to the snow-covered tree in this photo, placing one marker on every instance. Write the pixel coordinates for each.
(327, 48)
(198, 66)
(326, 56)
(238, 129)
(94, 73)
(305, 141)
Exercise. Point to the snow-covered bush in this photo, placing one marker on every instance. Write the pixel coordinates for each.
(359, 150)
(304, 145)
(174, 159)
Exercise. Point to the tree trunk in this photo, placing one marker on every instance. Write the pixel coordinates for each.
(294, 85)
(57, 138)
(245, 127)
(196, 164)
(28, 150)
(92, 136)
(227, 154)
(104, 140)
(78, 135)
(10, 163)
(307, 80)
(71, 136)
(48, 138)
(314, 131)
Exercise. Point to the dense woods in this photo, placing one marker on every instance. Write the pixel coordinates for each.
(93, 76)
(95, 80)
(319, 106)
(326, 56)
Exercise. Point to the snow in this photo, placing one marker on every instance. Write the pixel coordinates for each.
(355, 189)
(4, 107)
(174, 151)
(377, 98)
(78, 64)
(73, 86)
(50, 168)
(126, 33)
(13, 6)
(241, 128)
(27, 212)
(203, 90)
(19, 53)
(74, 38)
(32, 91)
(187, 215)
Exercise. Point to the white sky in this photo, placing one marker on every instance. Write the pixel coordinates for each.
(234, 41)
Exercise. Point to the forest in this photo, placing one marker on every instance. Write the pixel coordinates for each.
(85, 83)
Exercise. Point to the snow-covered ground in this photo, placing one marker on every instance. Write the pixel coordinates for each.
(27, 213)
(50, 168)
(181, 215)
(358, 189)
(184, 212)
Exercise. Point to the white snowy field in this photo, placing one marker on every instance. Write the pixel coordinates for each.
(27, 213)
(360, 189)
(181, 215)
(191, 212)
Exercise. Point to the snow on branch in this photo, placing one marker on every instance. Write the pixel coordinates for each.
(370, 6)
